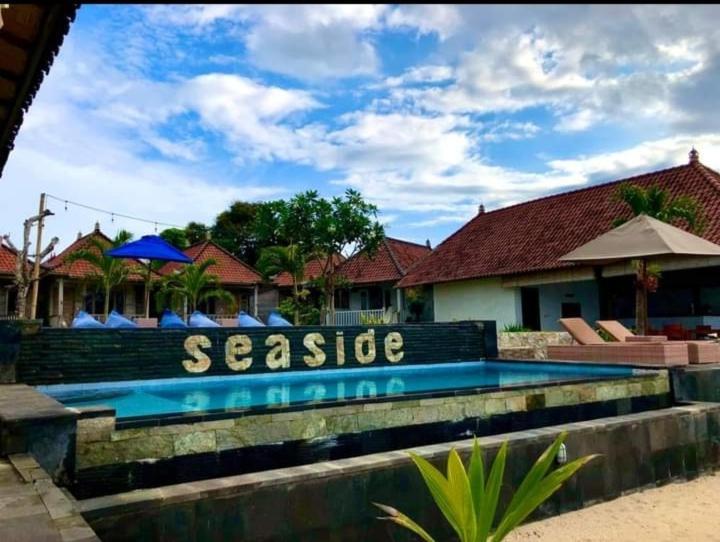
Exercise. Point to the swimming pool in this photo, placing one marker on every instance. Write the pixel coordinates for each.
(181, 395)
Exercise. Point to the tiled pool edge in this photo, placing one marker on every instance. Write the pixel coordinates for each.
(331, 500)
(100, 443)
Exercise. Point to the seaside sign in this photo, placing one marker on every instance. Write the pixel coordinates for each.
(239, 350)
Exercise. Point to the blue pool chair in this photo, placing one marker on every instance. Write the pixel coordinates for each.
(275, 320)
(170, 320)
(245, 320)
(198, 319)
(117, 320)
(83, 320)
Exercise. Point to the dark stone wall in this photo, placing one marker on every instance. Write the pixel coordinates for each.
(56, 356)
(9, 350)
(698, 383)
(320, 503)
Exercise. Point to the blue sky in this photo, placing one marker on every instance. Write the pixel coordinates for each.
(172, 112)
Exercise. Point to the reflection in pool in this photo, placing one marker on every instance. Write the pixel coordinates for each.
(169, 396)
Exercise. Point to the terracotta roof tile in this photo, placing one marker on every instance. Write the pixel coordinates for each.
(7, 260)
(58, 265)
(228, 268)
(532, 236)
(313, 269)
(392, 260)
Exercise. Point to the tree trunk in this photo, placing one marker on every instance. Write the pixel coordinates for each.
(641, 311)
(107, 302)
(22, 292)
(296, 315)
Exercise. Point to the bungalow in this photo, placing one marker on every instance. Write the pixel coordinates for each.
(65, 287)
(371, 280)
(7, 274)
(234, 275)
(503, 265)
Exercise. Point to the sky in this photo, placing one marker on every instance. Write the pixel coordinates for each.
(172, 112)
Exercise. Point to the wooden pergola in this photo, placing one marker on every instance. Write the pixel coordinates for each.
(30, 38)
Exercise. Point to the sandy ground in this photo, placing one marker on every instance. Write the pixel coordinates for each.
(688, 511)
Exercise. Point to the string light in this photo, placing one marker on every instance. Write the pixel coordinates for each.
(112, 214)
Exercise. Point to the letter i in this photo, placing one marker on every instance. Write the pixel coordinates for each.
(340, 347)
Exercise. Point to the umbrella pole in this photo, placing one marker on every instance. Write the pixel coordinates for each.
(147, 290)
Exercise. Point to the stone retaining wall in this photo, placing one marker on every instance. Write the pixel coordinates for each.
(530, 344)
(99, 443)
(331, 501)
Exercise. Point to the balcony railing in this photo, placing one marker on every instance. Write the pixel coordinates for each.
(357, 318)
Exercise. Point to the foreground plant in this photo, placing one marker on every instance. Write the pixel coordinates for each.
(469, 501)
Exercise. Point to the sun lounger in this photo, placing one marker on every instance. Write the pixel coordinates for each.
(146, 322)
(593, 348)
(698, 351)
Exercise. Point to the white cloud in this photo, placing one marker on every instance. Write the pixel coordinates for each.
(440, 19)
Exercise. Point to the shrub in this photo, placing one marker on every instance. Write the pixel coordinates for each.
(515, 328)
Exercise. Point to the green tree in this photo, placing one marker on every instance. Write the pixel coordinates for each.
(323, 228)
(192, 283)
(234, 230)
(291, 259)
(658, 203)
(107, 272)
(176, 237)
(195, 232)
(468, 499)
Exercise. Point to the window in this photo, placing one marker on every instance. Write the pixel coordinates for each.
(570, 310)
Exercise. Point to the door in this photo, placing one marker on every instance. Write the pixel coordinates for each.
(530, 302)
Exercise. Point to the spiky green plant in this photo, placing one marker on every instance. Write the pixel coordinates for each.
(469, 501)
(193, 284)
(290, 259)
(107, 272)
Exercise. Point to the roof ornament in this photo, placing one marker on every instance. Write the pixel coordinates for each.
(208, 235)
(427, 244)
(481, 209)
(97, 226)
(79, 235)
(694, 156)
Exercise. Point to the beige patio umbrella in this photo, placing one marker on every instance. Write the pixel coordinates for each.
(640, 239)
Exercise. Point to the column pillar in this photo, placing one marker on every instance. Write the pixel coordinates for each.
(61, 303)
(399, 300)
(255, 301)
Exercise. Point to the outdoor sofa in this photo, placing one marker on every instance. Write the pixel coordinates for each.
(592, 348)
(698, 351)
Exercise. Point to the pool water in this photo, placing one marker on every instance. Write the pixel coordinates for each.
(179, 395)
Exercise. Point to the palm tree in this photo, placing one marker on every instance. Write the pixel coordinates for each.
(107, 272)
(193, 284)
(291, 260)
(657, 203)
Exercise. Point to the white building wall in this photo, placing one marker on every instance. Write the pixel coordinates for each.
(480, 299)
(552, 296)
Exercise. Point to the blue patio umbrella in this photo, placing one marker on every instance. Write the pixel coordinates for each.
(148, 248)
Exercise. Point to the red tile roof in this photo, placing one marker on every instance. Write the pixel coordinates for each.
(391, 262)
(532, 236)
(58, 265)
(7, 260)
(313, 269)
(228, 268)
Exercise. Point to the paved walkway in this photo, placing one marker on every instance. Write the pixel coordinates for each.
(33, 509)
(678, 511)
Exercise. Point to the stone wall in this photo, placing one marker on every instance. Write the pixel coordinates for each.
(331, 501)
(530, 344)
(697, 383)
(62, 356)
(100, 443)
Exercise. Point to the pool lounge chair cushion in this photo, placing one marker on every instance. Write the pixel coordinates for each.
(198, 319)
(665, 354)
(275, 320)
(581, 331)
(245, 320)
(620, 333)
(170, 320)
(83, 320)
(117, 320)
